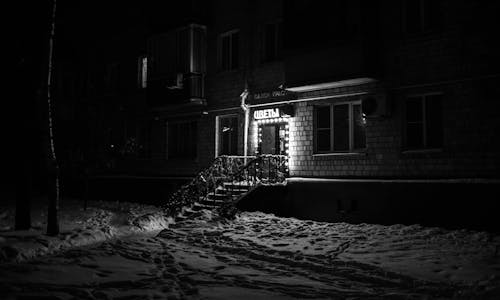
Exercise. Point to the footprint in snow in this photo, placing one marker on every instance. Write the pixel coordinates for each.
(92, 266)
(100, 274)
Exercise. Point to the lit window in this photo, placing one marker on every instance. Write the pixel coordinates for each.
(229, 50)
(339, 128)
(143, 72)
(424, 122)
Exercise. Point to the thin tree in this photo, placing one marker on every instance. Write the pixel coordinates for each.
(53, 168)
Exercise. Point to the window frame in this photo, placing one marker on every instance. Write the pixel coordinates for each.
(425, 26)
(220, 59)
(278, 42)
(423, 99)
(218, 137)
(351, 119)
(169, 155)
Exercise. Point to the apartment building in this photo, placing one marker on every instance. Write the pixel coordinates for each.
(350, 89)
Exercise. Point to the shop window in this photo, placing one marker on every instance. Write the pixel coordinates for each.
(227, 135)
(229, 50)
(424, 122)
(339, 128)
(142, 72)
(182, 139)
(271, 42)
(422, 16)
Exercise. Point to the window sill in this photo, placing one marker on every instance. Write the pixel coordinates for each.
(340, 154)
(423, 151)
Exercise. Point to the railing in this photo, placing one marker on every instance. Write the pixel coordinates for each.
(221, 170)
(234, 170)
(264, 169)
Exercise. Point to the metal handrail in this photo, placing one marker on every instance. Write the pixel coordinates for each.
(253, 172)
(222, 168)
(229, 169)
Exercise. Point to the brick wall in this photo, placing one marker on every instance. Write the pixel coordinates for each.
(471, 122)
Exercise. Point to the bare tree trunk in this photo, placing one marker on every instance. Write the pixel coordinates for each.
(53, 168)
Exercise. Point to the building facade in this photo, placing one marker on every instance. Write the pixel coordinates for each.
(364, 89)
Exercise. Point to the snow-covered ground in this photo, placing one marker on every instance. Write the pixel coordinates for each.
(261, 256)
(99, 222)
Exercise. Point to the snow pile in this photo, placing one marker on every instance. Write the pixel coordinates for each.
(78, 227)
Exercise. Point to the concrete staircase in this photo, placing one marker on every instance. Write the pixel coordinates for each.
(226, 180)
(222, 194)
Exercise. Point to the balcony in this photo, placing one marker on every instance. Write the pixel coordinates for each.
(178, 66)
(186, 89)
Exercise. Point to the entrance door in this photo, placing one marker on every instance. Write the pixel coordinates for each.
(269, 139)
(273, 139)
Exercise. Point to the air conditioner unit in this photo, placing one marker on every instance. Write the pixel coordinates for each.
(375, 106)
(177, 82)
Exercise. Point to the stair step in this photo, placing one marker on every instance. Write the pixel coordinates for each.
(233, 191)
(219, 196)
(236, 186)
(212, 202)
(200, 206)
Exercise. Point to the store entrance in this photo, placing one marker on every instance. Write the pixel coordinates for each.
(273, 139)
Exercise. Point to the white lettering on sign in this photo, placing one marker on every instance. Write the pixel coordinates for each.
(266, 113)
(265, 95)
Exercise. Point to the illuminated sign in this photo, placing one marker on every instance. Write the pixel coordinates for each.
(270, 113)
(266, 113)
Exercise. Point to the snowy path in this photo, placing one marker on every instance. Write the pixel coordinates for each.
(257, 256)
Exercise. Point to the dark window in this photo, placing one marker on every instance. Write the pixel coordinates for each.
(228, 135)
(112, 76)
(182, 139)
(422, 15)
(347, 124)
(424, 122)
(145, 144)
(323, 129)
(341, 127)
(229, 51)
(271, 44)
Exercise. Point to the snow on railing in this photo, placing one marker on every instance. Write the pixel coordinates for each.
(221, 170)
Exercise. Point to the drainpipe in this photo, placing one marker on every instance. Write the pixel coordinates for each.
(244, 106)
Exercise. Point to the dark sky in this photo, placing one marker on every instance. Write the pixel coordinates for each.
(83, 22)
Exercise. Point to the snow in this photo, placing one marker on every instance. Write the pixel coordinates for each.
(99, 222)
(262, 256)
